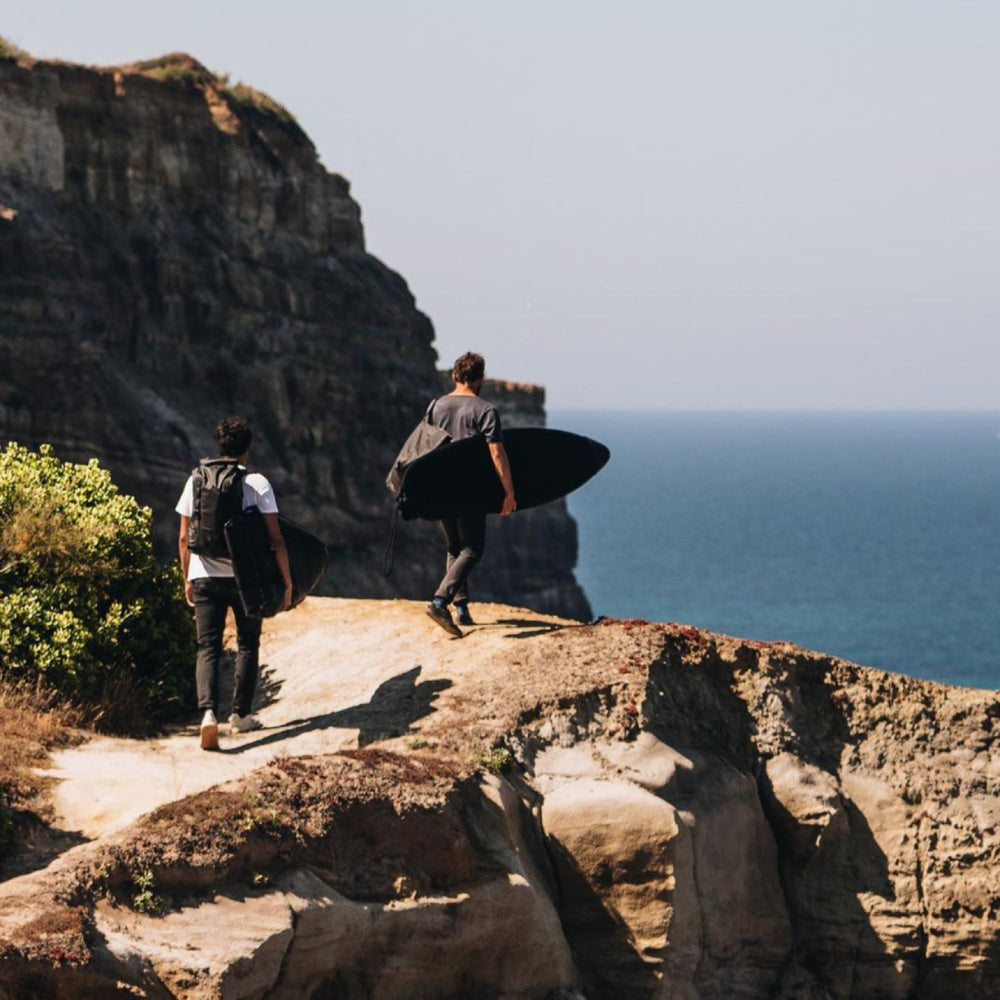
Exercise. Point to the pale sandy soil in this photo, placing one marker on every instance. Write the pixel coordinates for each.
(335, 674)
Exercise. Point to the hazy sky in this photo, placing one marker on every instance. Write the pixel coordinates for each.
(669, 203)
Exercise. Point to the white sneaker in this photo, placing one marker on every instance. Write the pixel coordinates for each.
(243, 723)
(209, 731)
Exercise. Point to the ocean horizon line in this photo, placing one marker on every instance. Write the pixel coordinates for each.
(713, 411)
(874, 536)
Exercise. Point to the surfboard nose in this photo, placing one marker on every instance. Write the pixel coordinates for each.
(600, 453)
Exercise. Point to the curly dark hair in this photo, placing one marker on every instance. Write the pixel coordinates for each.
(233, 436)
(468, 368)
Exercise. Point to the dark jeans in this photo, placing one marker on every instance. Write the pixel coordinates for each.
(466, 538)
(213, 596)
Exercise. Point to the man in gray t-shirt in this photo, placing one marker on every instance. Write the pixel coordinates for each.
(463, 414)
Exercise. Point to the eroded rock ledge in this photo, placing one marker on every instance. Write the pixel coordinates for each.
(678, 814)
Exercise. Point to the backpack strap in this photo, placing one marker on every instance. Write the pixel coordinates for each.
(197, 479)
(389, 555)
(241, 476)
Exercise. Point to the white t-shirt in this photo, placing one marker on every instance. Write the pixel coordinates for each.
(257, 493)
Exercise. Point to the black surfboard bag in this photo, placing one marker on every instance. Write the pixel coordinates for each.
(258, 580)
(217, 486)
(425, 437)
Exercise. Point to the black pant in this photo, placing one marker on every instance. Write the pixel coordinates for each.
(466, 538)
(213, 596)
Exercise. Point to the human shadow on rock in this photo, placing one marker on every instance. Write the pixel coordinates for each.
(34, 844)
(533, 627)
(268, 684)
(394, 706)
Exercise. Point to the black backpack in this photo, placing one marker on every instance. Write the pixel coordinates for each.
(217, 485)
(424, 438)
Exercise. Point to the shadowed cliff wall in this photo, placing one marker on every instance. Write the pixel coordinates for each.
(170, 254)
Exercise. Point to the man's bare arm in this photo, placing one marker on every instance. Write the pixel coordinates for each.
(185, 555)
(280, 554)
(499, 455)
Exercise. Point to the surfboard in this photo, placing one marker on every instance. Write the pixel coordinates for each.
(258, 579)
(545, 465)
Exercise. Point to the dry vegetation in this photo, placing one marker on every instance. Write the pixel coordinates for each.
(8, 50)
(180, 68)
(311, 809)
(31, 725)
(174, 74)
(175, 67)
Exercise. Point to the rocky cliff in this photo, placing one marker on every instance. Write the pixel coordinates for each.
(172, 250)
(540, 810)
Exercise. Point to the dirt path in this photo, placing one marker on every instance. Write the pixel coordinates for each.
(334, 674)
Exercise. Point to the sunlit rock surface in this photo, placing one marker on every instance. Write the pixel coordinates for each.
(676, 814)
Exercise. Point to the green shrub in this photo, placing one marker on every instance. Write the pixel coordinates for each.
(84, 608)
(495, 760)
(146, 899)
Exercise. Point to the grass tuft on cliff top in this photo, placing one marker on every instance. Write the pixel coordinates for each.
(180, 68)
(250, 98)
(176, 67)
(174, 74)
(8, 50)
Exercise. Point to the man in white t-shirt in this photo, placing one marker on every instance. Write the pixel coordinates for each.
(210, 588)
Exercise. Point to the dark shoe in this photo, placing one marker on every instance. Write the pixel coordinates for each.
(462, 613)
(440, 614)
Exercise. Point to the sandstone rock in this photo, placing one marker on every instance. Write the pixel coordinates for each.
(302, 937)
(625, 866)
(719, 819)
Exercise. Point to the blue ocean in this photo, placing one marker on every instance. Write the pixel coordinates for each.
(872, 536)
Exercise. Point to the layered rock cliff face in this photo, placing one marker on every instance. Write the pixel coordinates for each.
(674, 814)
(171, 250)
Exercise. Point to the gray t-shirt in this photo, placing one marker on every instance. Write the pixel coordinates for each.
(466, 416)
